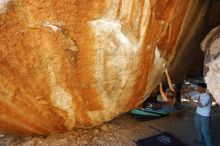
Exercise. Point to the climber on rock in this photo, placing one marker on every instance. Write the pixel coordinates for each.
(166, 99)
(168, 96)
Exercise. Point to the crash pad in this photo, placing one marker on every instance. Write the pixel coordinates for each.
(162, 139)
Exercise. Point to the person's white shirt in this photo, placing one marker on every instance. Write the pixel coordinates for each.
(205, 100)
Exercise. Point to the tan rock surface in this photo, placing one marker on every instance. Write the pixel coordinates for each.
(211, 47)
(79, 63)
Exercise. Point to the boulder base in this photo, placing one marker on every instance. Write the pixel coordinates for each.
(79, 63)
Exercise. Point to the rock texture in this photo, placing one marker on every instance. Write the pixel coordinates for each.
(79, 63)
(211, 47)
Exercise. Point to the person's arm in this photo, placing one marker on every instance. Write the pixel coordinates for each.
(201, 104)
(191, 95)
(205, 101)
(169, 81)
(164, 97)
(198, 103)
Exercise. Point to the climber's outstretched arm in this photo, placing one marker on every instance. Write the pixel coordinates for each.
(164, 97)
(169, 81)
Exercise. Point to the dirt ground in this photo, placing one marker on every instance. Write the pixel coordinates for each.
(122, 131)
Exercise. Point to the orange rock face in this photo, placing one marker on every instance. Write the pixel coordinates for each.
(79, 63)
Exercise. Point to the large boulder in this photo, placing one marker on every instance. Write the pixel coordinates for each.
(78, 63)
(211, 48)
